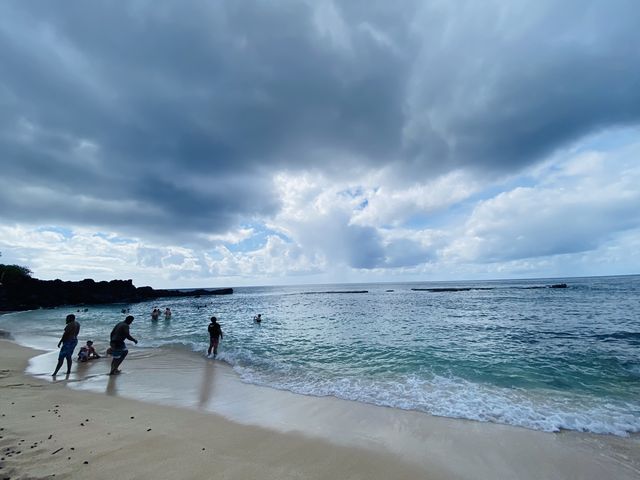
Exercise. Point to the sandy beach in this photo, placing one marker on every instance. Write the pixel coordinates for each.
(146, 424)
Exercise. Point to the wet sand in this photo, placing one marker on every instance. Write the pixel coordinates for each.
(193, 418)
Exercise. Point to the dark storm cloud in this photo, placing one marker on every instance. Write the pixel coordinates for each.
(500, 84)
(173, 93)
(168, 116)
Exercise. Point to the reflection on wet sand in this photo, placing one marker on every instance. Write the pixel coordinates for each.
(82, 370)
(206, 388)
(111, 386)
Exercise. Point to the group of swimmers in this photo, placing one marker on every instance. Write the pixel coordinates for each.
(155, 314)
(118, 348)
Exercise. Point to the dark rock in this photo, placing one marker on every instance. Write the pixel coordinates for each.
(184, 293)
(27, 293)
(451, 289)
(337, 291)
(444, 289)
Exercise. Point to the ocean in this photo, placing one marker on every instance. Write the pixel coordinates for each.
(513, 352)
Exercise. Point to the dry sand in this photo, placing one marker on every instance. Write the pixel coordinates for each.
(49, 429)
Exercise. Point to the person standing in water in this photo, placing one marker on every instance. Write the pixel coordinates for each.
(68, 342)
(119, 351)
(258, 318)
(215, 334)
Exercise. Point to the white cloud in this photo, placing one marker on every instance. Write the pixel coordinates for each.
(232, 237)
(330, 25)
(276, 259)
(579, 205)
(81, 254)
(393, 205)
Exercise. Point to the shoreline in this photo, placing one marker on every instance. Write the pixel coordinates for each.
(50, 431)
(413, 444)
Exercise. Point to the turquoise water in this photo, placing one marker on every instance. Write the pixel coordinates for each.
(540, 358)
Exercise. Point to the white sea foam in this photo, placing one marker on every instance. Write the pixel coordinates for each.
(441, 396)
(455, 398)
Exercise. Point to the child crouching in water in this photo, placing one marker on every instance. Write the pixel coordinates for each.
(87, 352)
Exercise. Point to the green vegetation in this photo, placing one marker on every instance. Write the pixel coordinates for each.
(13, 273)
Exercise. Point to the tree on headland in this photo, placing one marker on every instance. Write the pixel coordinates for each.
(12, 273)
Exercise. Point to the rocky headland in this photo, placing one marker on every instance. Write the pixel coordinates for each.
(27, 293)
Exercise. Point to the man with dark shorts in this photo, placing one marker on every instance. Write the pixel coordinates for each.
(215, 334)
(68, 342)
(119, 351)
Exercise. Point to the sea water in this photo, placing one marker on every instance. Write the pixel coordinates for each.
(515, 352)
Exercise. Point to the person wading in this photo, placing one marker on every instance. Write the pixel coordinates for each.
(68, 342)
(119, 351)
(215, 334)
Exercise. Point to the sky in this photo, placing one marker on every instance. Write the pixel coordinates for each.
(230, 143)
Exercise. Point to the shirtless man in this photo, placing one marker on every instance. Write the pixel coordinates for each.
(215, 334)
(68, 342)
(119, 351)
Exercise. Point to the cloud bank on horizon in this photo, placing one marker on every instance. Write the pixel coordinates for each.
(203, 143)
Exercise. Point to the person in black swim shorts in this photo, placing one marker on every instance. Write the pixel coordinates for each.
(215, 334)
(119, 351)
